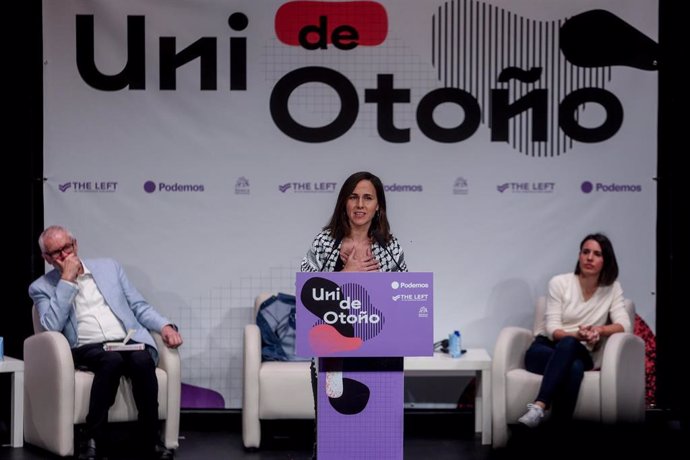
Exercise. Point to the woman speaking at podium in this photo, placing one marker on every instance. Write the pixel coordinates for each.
(356, 239)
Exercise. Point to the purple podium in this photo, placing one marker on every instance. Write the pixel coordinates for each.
(361, 325)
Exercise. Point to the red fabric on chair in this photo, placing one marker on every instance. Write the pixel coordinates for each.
(643, 331)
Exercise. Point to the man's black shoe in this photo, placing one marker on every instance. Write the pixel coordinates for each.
(163, 453)
(87, 449)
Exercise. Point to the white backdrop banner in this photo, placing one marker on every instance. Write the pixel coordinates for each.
(202, 143)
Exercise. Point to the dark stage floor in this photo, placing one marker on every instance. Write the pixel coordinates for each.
(436, 435)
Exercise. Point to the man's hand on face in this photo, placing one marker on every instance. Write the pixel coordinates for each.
(69, 267)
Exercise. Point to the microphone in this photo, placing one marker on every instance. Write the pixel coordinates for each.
(379, 240)
(441, 345)
(330, 254)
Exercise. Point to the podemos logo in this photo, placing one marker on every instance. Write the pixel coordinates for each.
(150, 187)
(588, 187)
(403, 285)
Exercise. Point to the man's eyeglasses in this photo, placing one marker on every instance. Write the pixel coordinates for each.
(67, 249)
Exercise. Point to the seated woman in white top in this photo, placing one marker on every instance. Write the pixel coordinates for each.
(581, 308)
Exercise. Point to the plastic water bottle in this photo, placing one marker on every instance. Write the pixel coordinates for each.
(454, 346)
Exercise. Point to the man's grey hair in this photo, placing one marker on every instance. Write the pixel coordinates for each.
(53, 229)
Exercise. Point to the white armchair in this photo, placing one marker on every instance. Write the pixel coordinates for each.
(273, 389)
(56, 396)
(613, 392)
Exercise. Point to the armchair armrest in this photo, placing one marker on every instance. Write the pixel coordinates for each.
(623, 379)
(509, 353)
(49, 392)
(251, 426)
(168, 358)
(510, 348)
(169, 361)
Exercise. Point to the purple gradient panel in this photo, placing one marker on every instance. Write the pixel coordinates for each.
(194, 397)
(374, 433)
(359, 314)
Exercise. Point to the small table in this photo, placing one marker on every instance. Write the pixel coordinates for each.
(16, 367)
(475, 361)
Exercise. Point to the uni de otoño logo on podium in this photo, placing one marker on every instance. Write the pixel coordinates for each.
(364, 314)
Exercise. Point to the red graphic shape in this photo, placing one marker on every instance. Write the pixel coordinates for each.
(369, 19)
(325, 339)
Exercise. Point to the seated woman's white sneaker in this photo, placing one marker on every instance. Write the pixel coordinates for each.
(533, 416)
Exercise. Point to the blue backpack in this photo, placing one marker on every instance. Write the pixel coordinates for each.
(276, 321)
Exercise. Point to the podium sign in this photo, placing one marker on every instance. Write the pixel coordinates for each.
(364, 314)
(361, 325)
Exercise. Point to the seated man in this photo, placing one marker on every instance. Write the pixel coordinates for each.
(91, 301)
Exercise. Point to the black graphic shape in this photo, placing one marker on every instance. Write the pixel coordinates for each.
(387, 364)
(521, 75)
(354, 399)
(598, 38)
(321, 307)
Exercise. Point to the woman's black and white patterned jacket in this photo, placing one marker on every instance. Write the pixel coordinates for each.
(323, 255)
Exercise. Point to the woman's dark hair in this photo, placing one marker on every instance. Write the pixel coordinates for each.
(339, 224)
(609, 272)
